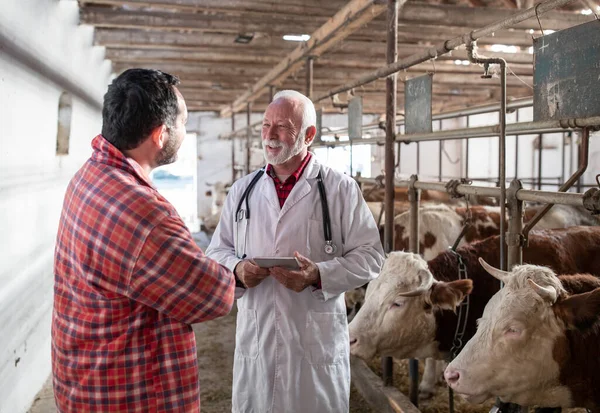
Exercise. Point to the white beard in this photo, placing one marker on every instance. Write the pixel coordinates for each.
(286, 153)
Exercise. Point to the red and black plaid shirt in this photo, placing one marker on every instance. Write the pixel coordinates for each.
(129, 281)
(284, 188)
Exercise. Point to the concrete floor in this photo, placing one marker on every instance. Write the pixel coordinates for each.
(44, 401)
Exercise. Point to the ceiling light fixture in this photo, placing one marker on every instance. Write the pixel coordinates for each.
(244, 38)
(296, 37)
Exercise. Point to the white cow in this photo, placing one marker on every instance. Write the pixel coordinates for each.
(218, 193)
(535, 344)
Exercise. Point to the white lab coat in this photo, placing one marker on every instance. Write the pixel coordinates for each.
(292, 349)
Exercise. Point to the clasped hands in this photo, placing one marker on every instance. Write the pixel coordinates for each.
(252, 275)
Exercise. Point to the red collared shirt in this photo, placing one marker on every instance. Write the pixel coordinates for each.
(284, 188)
(129, 281)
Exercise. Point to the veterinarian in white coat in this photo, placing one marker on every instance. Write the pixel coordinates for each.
(292, 345)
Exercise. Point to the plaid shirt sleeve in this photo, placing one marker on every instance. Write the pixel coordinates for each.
(173, 276)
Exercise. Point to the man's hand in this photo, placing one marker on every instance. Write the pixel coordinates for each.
(250, 274)
(297, 280)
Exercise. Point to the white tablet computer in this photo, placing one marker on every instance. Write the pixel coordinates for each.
(286, 262)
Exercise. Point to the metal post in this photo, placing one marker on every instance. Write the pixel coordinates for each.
(418, 158)
(440, 154)
(233, 173)
(563, 153)
(309, 77)
(579, 157)
(351, 174)
(514, 238)
(517, 148)
(391, 86)
(248, 136)
(540, 145)
(271, 92)
(467, 160)
(413, 242)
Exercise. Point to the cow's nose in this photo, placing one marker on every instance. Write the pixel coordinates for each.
(452, 376)
(353, 341)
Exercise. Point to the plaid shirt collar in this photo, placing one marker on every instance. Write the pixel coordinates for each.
(293, 178)
(107, 153)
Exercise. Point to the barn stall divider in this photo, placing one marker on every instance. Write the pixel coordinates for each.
(514, 196)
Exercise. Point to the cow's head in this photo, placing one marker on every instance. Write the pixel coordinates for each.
(218, 192)
(397, 318)
(520, 342)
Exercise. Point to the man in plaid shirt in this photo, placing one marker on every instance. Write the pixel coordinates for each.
(129, 279)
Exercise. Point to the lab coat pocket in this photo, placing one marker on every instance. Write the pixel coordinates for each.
(246, 338)
(325, 337)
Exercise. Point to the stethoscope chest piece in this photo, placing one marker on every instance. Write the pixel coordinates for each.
(330, 248)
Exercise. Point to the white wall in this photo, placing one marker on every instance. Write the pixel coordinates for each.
(33, 178)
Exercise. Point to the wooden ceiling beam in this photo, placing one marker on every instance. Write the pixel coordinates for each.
(178, 41)
(354, 15)
(413, 13)
(256, 7)
(370, 59)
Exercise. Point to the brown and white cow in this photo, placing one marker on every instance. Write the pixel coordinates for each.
(537, 343)
(409, 309)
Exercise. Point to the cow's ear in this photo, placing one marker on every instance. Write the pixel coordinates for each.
(579, 311)
(448, 295)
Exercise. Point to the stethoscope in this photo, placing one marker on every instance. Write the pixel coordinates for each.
(240, 213)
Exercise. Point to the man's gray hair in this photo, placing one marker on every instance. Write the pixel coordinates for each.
(309, 115)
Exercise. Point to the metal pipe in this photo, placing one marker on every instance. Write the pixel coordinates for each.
(524, 128)
(563, 198)
(475, 58)
(475, 110)
(413, 242)
(583, 163)
(446, 46)
(233, 173)
(309, 76)
(391, 86)
(248, 136)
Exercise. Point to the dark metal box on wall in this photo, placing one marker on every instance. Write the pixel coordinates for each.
(417, 104)
(566, 73)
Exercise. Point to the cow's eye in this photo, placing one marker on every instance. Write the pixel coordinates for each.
(398, 304)
(513, 332)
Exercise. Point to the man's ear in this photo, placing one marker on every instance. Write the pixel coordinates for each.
(448, 295)
(579, 311)
(160, 135)
(311, 132)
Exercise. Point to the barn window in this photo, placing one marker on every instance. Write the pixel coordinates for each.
(64, 124)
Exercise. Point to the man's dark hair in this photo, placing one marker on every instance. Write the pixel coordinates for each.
(138, 101)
